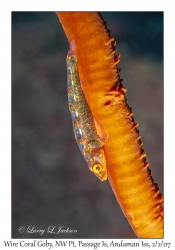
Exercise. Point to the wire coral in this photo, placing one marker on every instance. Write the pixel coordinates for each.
(128, 172)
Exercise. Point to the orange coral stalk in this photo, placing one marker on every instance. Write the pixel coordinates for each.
(128, 172)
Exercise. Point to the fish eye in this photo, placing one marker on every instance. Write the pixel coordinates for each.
(97, 168)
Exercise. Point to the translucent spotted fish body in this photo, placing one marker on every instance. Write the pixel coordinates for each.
(84, 128)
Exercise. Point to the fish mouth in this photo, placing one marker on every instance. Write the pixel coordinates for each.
(102, 176)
